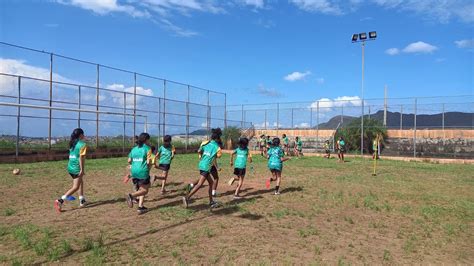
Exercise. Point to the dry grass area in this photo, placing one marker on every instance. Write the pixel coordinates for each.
(328, 213)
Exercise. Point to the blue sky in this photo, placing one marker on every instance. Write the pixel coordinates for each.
(259, 51)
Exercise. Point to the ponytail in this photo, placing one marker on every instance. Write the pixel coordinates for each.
(75, 135)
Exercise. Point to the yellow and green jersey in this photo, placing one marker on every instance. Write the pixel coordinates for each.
(208, 151)
(140, 157)
(286, 140)
(299, 144)
(375, 145)
(241, 158)
(80, 149)
(166, 154)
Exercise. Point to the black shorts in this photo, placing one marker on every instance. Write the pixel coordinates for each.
(164, 167)
(139, 181)
(275, 171)
(74, 176)
(239, 171)
(204, 173)
(214, 172)
(328, 151)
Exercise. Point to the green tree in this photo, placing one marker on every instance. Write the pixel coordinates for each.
(231, 133)
(351, 134)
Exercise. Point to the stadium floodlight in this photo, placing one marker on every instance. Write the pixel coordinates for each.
(362, 37)
(354, 37)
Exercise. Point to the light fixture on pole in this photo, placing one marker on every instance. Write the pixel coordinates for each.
(362, 37)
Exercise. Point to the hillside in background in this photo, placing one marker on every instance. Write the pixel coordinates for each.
(451, 120)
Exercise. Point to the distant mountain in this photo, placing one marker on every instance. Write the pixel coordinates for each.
(451, 120)
(199, 132)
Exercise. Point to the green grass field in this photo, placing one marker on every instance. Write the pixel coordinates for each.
(328, 213)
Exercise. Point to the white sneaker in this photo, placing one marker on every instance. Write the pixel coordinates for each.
(277, 192)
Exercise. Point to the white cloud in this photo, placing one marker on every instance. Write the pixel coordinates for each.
(420, 47)
(119, 99)
(297, 76)
(302, 125)
(442, 10)
(392, 51)
(318, 6)
(253, 3)
(465, 43)
(168, 25)
(103, 7)
(327, 105)
(270, 92)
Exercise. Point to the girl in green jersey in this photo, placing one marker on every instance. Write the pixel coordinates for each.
(140, 158)
(164, 156)
(276, 157)
(75, 168)
(242, 156)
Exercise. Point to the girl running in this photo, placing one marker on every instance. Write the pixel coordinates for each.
(165, 155)
(262, 144)
(242, 156)
(286, 144)
(140, 157)
(298, 147)
(327, 149)
(75, 168)
(276, 158)
(341, 148)
(208, 152)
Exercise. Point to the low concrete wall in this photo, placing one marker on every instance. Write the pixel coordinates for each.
(392, 133)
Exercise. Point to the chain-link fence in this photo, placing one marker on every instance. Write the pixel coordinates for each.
(43, 96)
(420, 127)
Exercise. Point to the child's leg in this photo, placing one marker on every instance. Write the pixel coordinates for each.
(215, 182)
(210, 181)
(142, 191)
(278, 179)
(76, 184)
(163, 181)
(81, 188)
(197, 186)
(239, 186)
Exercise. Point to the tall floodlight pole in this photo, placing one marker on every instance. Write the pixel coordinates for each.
(362, 37)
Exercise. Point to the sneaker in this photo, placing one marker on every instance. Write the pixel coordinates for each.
(164, 192)
(214, 194)
(231, 181)
(188, 188)
(130, 200)
(142, 210)
(135, 201)
(237, 197)
(185, 202)
(82, 203)
(267, 183)
(277, 192)
(58, 204)
(70, 198)
(213, 204)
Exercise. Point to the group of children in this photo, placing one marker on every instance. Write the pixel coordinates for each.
(143, 157)
(265, 142)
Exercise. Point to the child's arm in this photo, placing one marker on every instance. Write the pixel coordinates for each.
(157, 158)
(173, 152)
(82, 160)
(232, 159)
(249, 157)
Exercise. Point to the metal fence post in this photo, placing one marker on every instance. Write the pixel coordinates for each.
(80, 106)
(401, 116)
(159, 120)
(265, 122)
(124, 120)
(414, 131)
(362, 130)
(97, 109)
(225, 110)
(292, 122)
(187, 120)
(442, 124)
(342, 115)
(317, 121)
(242, 118)
(50, 99)
(164, 108)
(278, 117)
(134, 104)
(17, 146)
(208, 124)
